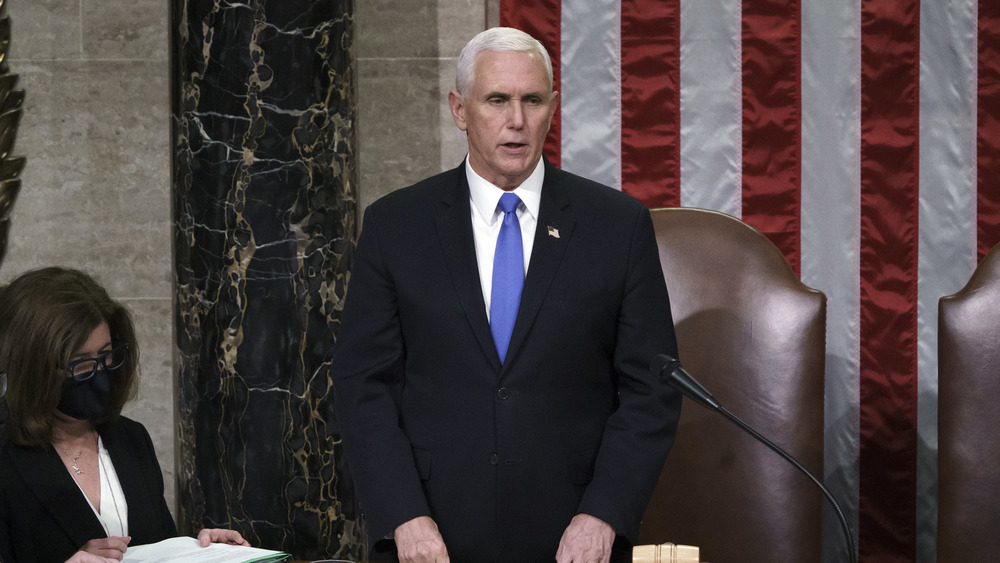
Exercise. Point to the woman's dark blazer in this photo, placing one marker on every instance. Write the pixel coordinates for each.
(44, 516)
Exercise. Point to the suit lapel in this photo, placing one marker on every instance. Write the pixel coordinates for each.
(53, 486)
(546, 253)
(454, 227)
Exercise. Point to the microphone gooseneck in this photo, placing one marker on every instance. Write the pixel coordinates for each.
(669, 371)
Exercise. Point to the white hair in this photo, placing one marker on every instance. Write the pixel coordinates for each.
(498, 39)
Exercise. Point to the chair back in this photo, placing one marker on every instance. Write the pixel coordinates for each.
(3, 421)
(754, 336)
(968, 418)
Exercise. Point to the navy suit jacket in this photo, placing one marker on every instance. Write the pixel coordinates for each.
(503, 456)
(45, 518)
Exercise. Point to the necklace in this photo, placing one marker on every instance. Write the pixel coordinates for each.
(76, 467)
(74, 461)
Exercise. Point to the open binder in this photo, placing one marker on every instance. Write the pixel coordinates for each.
(188, 550)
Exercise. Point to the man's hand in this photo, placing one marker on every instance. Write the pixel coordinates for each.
(586, 540)
(220, 535)
(418, 541)
(111, 548)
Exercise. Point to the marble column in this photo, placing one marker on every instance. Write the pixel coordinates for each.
(11, 104)
(263, 175)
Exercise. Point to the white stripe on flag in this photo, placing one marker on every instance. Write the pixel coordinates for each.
(831, 232)
(711, 106)
(591, 90)
(947, 214)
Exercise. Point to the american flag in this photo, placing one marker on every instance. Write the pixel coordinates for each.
(861, 137)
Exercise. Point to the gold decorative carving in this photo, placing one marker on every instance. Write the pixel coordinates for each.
(11, 102)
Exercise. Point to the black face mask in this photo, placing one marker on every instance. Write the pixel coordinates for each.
(87, 400)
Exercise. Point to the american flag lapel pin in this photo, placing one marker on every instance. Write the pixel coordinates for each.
(553, 232)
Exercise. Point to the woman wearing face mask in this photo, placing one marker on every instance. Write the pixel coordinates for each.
(76, 478)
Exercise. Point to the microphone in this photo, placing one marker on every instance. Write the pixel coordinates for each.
(669, 371)
(681, 380)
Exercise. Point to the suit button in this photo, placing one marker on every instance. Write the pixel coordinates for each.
(503, 393)
(494, 459)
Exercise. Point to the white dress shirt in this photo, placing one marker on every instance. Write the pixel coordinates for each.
(484, 199)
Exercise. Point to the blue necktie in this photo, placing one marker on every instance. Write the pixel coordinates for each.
(508, 276)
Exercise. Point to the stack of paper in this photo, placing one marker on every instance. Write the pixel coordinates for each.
(188, 550)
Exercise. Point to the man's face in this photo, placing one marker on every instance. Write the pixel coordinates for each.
(506, 115)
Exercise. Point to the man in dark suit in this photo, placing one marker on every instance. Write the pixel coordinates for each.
(491, 373)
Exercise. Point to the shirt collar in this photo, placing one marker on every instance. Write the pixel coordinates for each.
(485, 196)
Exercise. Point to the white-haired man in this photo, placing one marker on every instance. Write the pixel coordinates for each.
(492, 369)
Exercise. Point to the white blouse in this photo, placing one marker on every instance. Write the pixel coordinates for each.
(114, 510)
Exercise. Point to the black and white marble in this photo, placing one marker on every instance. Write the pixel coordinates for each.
(11, 103)
(264, 222)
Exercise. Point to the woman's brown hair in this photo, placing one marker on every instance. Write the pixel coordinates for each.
(45, 316)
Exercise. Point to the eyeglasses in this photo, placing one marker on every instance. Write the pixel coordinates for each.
(82, 370)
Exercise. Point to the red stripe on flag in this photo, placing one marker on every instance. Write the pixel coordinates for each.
(772, 129)
(988, 137)
(890, 55)
(540, 19)
(651, 101)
